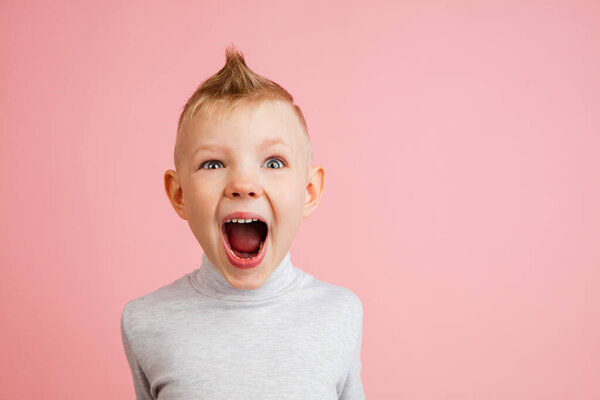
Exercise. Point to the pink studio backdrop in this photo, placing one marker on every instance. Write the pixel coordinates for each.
(461, 147)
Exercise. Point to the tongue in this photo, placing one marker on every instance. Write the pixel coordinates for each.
(244, 237)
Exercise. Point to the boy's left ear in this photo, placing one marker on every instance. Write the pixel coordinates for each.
(314, 190)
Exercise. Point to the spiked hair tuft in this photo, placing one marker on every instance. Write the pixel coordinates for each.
(233, 85)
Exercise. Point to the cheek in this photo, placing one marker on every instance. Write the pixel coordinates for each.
(202, 203)
(201, 217)
(290, 199)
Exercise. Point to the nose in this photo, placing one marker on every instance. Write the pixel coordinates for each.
(243, 184)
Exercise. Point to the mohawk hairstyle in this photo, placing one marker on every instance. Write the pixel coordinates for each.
(233, 85)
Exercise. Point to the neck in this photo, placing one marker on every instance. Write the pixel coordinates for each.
(209, 281)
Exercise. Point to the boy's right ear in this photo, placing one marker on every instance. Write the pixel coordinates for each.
(175, 192)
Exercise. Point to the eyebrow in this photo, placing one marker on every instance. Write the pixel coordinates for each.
(273, 141)
(208, 147)
(268, 142)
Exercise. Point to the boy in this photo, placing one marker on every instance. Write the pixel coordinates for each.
(247, 324)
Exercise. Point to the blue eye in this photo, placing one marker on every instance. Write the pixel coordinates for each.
(280, 163)
(208, 164)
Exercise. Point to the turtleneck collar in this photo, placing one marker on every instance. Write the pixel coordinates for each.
(209, 281)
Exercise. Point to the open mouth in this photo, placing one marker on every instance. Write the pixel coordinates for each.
(245, 238)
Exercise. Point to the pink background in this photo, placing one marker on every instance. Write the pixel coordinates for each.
(461, 145)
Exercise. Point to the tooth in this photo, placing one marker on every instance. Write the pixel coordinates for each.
(249, 220)
(254, 220)
(234, 220)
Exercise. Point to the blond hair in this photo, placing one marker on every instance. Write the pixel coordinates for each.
(233, 85)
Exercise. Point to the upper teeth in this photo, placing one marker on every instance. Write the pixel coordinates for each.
(242, 221)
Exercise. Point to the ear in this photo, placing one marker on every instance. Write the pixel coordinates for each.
(175, 192)
(314, 190)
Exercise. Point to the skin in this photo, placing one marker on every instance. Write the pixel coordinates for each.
(244, 176)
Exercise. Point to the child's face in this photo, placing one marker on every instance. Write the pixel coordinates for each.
(252, 160)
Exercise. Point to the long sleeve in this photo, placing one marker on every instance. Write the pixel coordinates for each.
(353, 388)
(140, 382)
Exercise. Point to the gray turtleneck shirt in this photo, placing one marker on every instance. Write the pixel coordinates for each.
(295, 337)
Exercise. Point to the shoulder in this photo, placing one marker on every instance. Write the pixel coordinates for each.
(155, 304)
(335, 309)
(337, 298)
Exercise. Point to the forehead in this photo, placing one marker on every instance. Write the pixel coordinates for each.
(249, 124)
